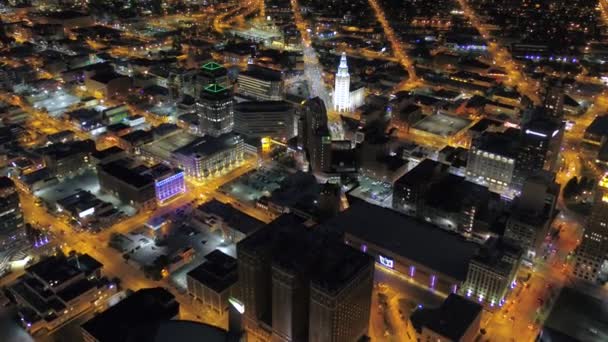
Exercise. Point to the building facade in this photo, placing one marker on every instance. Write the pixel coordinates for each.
(261, 83)
(11, 216)
(212, 283)
(342, 87)
(275, 119)
(295, 286)
(206, 157)
(492, 158)
(591, 254)
(169, 185)
(492, 273)
(215, 110)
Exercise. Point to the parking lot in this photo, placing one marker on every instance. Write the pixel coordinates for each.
(142, 247)
(251, 186)
(86, 181)
(373, 191)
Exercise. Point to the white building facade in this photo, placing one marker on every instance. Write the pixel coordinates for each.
(342, 87)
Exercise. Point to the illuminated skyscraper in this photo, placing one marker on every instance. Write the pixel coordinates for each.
(11, 222)
(592, 252)
(342, 87)
(215, 110)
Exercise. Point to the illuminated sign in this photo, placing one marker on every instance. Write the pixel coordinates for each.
(170, 187)
(237, 304)
(87, 212)
(386, 262)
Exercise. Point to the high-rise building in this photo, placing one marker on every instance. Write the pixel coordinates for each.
(429, 192)
(492, 158)
(342, 87)
(314, 136)
(492, 272)
(593, 249)
(215, 110)
(532, 213)
(299, 284)
(260, 83)
(264, 119)
(553, 104)
(211, 73)
(539, 147)
(11, 217)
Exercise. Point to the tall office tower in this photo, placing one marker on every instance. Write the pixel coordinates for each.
(319, 150)
(592, 252)
(539, 147)
(215, 110)
(342, 87)
(264, 119)
(314, 136)
(11, 217)
(491, 159)
(262, 84)
(340, 308)
(554, 100)
(532, 213)
(492, 271)
(299, 284)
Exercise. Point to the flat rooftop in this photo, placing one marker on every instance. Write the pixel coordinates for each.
(262, 73)
(442, 124)
(576, 316)
(163, 148)
(218, 272)
(419, 241)
(208, 145)
(452, 319)
(143, 308)
(233, 217)
(263, 106)
(317, 254)
(119, 170)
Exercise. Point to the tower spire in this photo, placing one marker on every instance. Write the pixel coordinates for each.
(342, 86)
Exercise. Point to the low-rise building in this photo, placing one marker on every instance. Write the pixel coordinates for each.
(207, 156)
(129, 185)
(57, 290)
(108, 85)
(213, 282)
(233, 224)
(132, 317)
(456, 320)
(64, 159)
(492, 272)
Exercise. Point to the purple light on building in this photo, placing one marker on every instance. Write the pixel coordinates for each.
(170, 187)
(364, 248)
(433, 280)
(454, 288)
(412, 271)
